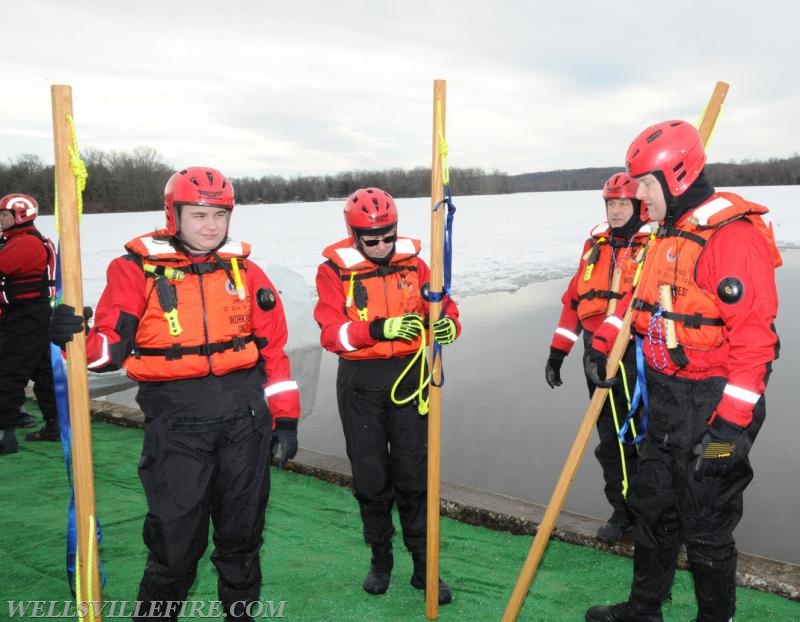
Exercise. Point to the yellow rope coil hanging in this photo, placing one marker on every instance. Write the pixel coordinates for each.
(79, 170)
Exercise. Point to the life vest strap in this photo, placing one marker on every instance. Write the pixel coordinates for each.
(177, 351)
(601, 293)
(14, 287)
(695, 320)
(672, 232)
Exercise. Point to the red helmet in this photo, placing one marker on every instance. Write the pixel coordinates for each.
(24, 208)
(620, 186)
(196, 185)
(369, 208)
(672, 147)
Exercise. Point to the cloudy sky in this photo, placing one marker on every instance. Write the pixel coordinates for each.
(258, 87)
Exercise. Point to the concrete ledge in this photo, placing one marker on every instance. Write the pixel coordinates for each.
(501, 513)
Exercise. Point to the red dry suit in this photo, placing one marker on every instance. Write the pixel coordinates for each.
(386, 442)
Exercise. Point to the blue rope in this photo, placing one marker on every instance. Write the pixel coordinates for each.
(639, 397)
(62, 406)
(447, 265)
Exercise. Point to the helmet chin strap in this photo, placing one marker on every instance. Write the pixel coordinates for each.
(16, 225)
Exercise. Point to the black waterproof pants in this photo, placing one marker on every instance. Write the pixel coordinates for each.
(205, 457)
(617, 460)
(388, 449)
(24, 356)
(674, 508)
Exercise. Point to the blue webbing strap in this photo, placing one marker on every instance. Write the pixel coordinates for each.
(447, 264)
(639, 396)
(62, 406)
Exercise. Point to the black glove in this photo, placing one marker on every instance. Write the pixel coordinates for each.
(283, 446)
(65, 323)
(552, 370)
(716, 449)
(678, 356)
(594, 365)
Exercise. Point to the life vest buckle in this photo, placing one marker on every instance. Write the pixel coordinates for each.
(173, 352)
(207, 349)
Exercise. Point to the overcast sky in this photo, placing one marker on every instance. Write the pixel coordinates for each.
(319, 87)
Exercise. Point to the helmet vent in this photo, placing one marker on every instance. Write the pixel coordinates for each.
(654, 135)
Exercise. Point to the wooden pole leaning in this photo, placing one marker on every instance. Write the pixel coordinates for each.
(572, 463)
(87, 577)
(434, 391)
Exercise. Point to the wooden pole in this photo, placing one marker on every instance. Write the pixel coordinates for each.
(86, 565)
(711, 113)
(434, 392)
(593, 411)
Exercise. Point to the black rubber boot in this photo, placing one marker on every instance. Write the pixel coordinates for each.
(8, 442)
(616, 527)
(49, 432)
(380, 570)
(623, 612)
(22, 420)
(715, 589)
(418, 579)
(236, 612)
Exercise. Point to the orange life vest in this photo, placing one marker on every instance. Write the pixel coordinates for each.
(695, 311)
(607, 270)
(373, 291)
(194, 323)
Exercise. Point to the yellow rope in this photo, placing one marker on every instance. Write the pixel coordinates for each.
(78, 167)
(422, 406)
(713, 128)
(90, 567)
(442, 143)
(617, 427)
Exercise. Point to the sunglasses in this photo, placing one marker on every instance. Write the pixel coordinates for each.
(389, 239)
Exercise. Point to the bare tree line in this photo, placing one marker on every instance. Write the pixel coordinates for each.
(773, 172)
(134, 181)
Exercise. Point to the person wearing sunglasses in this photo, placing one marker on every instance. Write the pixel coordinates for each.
(372, 314)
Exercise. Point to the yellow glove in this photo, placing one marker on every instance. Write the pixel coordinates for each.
(405, 326)
(444, 330)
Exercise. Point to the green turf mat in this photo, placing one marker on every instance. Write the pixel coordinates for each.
(313, 556)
